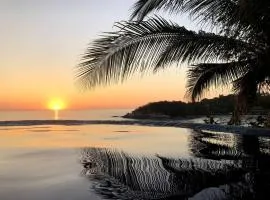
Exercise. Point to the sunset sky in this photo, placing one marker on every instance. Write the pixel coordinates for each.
(41, 43)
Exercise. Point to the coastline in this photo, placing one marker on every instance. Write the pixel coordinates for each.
(158, 123)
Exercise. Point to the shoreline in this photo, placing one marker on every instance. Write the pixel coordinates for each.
(156, 123)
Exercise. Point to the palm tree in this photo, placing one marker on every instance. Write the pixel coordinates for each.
(238, 54)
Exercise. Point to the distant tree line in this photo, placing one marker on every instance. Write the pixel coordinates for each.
(221, 105)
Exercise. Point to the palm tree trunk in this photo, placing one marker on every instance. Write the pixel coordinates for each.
(241, 108)
(235, 118)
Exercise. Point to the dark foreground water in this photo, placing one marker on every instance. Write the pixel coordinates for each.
(131, 162)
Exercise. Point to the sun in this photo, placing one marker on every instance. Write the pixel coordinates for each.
(56, 104)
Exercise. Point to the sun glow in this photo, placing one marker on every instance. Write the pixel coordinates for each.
(56, 105)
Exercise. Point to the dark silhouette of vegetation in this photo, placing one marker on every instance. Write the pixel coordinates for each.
(238, 54)
(222, 105)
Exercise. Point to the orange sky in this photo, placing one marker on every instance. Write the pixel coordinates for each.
(41, 43)
(36, 93)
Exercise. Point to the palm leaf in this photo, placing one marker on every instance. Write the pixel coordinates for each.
(214, 10)
(150, 45)
(235, 18)
(203, 47)
(143, 7)
(202, 76)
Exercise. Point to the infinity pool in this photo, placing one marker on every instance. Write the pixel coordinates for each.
(130, 162)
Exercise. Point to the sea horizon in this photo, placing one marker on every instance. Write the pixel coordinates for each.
(88, 114)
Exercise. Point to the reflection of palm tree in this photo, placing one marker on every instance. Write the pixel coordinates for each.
(197, 174)
(213, 146)
(129, 177)
(125, 175)
(238, 54)
(250, 151)
(228, 146)
(236, 167)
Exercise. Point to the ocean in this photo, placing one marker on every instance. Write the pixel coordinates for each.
(93, 114)
(126, 161)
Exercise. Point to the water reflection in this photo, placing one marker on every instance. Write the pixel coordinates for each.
(251, 152)
(222, 166)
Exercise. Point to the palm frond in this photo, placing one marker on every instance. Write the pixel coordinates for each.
(143, 7)
(150, 45)
(215, 11)
(134, 47)
(203, 47)
(202, 76)
(238, 18)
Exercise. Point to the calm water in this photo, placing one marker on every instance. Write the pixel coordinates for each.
(94, 114)
(130, 162)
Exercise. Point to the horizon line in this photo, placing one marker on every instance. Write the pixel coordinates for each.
(72, 109)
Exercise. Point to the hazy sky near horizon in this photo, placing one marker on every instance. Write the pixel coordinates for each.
(41, 43)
